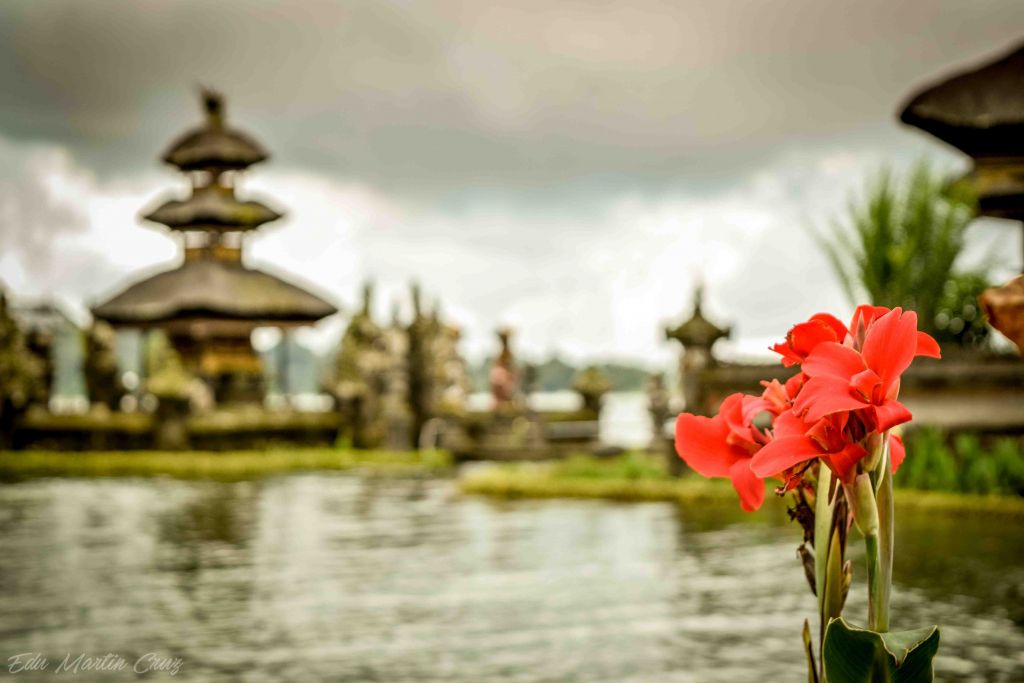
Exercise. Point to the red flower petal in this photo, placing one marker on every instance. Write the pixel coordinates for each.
(802, 338)
(833, 360)
(794, 383)
(788, 423)
(775, 396)
(781, 454)
(890, 414)
(823, 396)
(754, 406)
(746, 483)
(897, 452)
(927, 346)
(844, 462)
(789, 357)
(805, 336)
(731, 412)
(890, 345)
(864, 316)
(834, 323)
(864, 384)
(700, 441)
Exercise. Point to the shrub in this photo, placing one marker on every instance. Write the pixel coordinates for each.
(968, 466)
(1009, 461)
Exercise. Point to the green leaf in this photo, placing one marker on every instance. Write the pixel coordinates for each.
(855, 655)
(812, 669)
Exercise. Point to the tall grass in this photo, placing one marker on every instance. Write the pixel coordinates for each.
(900, 245)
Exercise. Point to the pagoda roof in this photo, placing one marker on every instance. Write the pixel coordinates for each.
(698, 331)
(213, 289)
(213, 145)
(213, 207)
(980, 111)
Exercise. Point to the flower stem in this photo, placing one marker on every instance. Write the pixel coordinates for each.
(829, 552)
(874, 592)
(866, 514)
(886, 537)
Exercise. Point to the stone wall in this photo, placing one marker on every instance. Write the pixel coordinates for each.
(962, 392)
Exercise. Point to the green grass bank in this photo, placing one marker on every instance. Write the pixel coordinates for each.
(639, 477)
(227, 465)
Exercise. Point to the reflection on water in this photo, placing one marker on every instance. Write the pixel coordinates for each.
(315, 577)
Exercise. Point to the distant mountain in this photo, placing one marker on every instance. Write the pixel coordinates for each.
(625, 377)
(555, 374)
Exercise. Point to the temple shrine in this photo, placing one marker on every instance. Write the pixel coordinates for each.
(209, 305)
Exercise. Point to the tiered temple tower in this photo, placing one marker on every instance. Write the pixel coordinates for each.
(981, 113)
(209, 305)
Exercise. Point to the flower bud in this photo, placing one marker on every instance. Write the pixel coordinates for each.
(861, 496)
(874, 444)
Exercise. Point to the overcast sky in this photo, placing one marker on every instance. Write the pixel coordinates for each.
(570, 168)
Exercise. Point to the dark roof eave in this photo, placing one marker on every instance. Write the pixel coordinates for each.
(213, 289)
(259, 320)
(979, 110)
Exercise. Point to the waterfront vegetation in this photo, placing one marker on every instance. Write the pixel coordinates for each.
(227, 465)
(964, 463)
(642, 477)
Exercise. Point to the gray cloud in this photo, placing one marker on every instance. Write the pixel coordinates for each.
(569, 166)
(444, 97)
(35, 208)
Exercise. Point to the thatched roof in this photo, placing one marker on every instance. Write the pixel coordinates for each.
(212, 208)
(213, 145)
(981, 111)
(214, 289)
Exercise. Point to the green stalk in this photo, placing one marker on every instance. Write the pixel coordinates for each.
(866, 515)
(829, 552)
(871, 547)
(886, 537)
(822, 530)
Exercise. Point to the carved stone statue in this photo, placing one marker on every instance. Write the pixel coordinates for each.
(359, 379)
(592, 385)
(658, 407)
(504, 374)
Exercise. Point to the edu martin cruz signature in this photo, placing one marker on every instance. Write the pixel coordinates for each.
(78, 662)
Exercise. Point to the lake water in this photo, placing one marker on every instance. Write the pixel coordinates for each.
(624, 419)
(339, 577)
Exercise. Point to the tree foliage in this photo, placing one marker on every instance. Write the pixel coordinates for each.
(20, 373)
(900, 245)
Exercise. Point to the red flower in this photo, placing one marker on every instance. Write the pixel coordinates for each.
(836, 410)
(804, 337)
(722, 446)
(842, 379)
